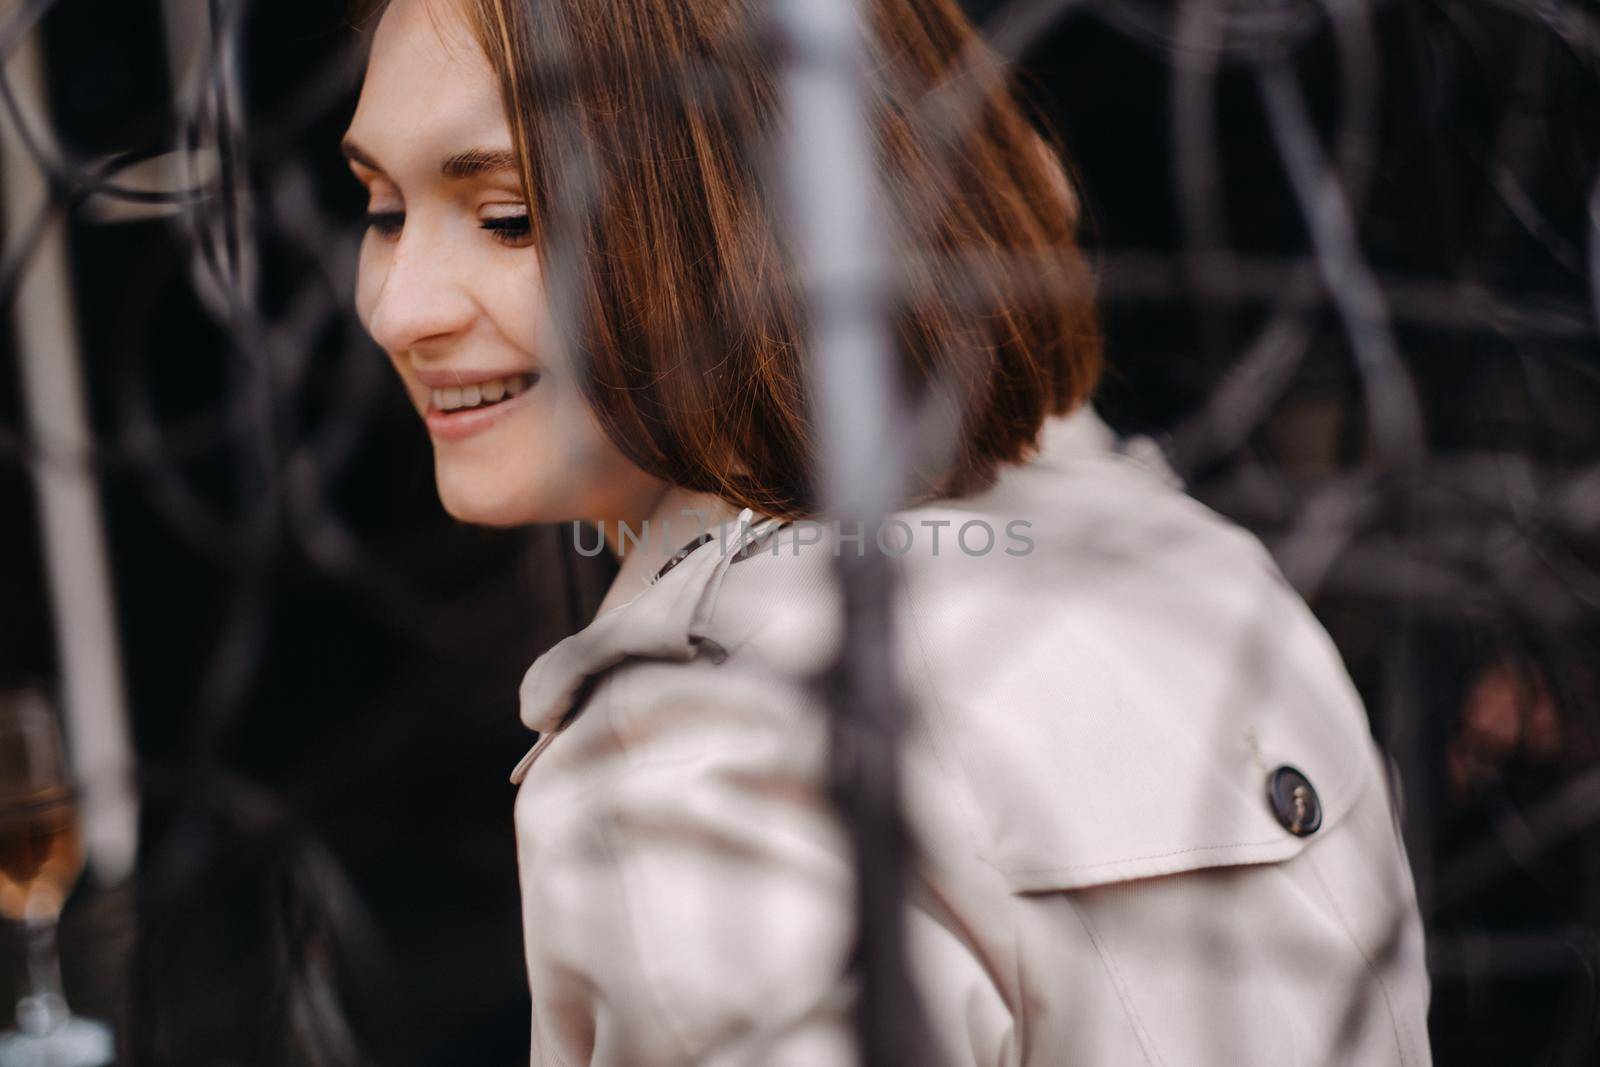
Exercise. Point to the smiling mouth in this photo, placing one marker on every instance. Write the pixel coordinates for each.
(479, 395)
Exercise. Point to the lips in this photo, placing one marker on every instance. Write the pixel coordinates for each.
(461, 406)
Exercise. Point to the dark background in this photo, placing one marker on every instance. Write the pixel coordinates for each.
(322, 666)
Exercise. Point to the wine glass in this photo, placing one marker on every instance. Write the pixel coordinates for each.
(41, 856)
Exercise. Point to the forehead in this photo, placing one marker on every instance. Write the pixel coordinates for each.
(428, 89)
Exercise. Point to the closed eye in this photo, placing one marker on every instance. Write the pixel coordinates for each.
(511, 230)
(386, 223)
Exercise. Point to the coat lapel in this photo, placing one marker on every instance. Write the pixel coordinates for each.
(659, 623)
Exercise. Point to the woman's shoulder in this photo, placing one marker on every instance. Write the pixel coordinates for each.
(1093, 534)
(1085, 638)
(1112, 676)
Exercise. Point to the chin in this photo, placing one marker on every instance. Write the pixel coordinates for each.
(487, 490)
(486, 502)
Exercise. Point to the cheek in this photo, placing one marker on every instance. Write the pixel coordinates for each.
(512, 295)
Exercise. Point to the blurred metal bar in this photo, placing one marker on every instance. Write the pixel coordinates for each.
(1399, 439)
(830, 182)
(186, 27)
(72, 533)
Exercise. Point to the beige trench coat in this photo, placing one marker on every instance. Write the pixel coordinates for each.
(1103, 879)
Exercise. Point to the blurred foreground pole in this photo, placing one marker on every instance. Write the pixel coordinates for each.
(832, 201)
(72, 532)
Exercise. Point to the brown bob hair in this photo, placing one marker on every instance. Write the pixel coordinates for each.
(642, 129)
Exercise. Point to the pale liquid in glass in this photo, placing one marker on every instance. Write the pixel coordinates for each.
(41, 855)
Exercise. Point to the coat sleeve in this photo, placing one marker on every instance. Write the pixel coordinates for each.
(686, 890)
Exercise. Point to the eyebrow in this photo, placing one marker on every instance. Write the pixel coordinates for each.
(477, 161)
(472, 163)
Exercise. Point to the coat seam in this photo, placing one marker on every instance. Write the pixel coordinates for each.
(1153, 856)
(1400, 1042)
(1146, 1041)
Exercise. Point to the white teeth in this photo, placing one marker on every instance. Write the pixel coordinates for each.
(455, 398)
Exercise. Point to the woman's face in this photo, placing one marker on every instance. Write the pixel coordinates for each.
(450, 286)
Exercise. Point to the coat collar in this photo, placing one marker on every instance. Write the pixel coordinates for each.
(666, 619)
(658, 623)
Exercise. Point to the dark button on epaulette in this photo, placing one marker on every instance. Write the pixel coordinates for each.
(1294, 801)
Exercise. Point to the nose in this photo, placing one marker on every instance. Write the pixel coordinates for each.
(422, 295)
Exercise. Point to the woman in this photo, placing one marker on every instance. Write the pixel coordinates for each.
(1152, 826)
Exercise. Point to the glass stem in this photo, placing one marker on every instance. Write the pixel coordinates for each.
(43, 1008)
